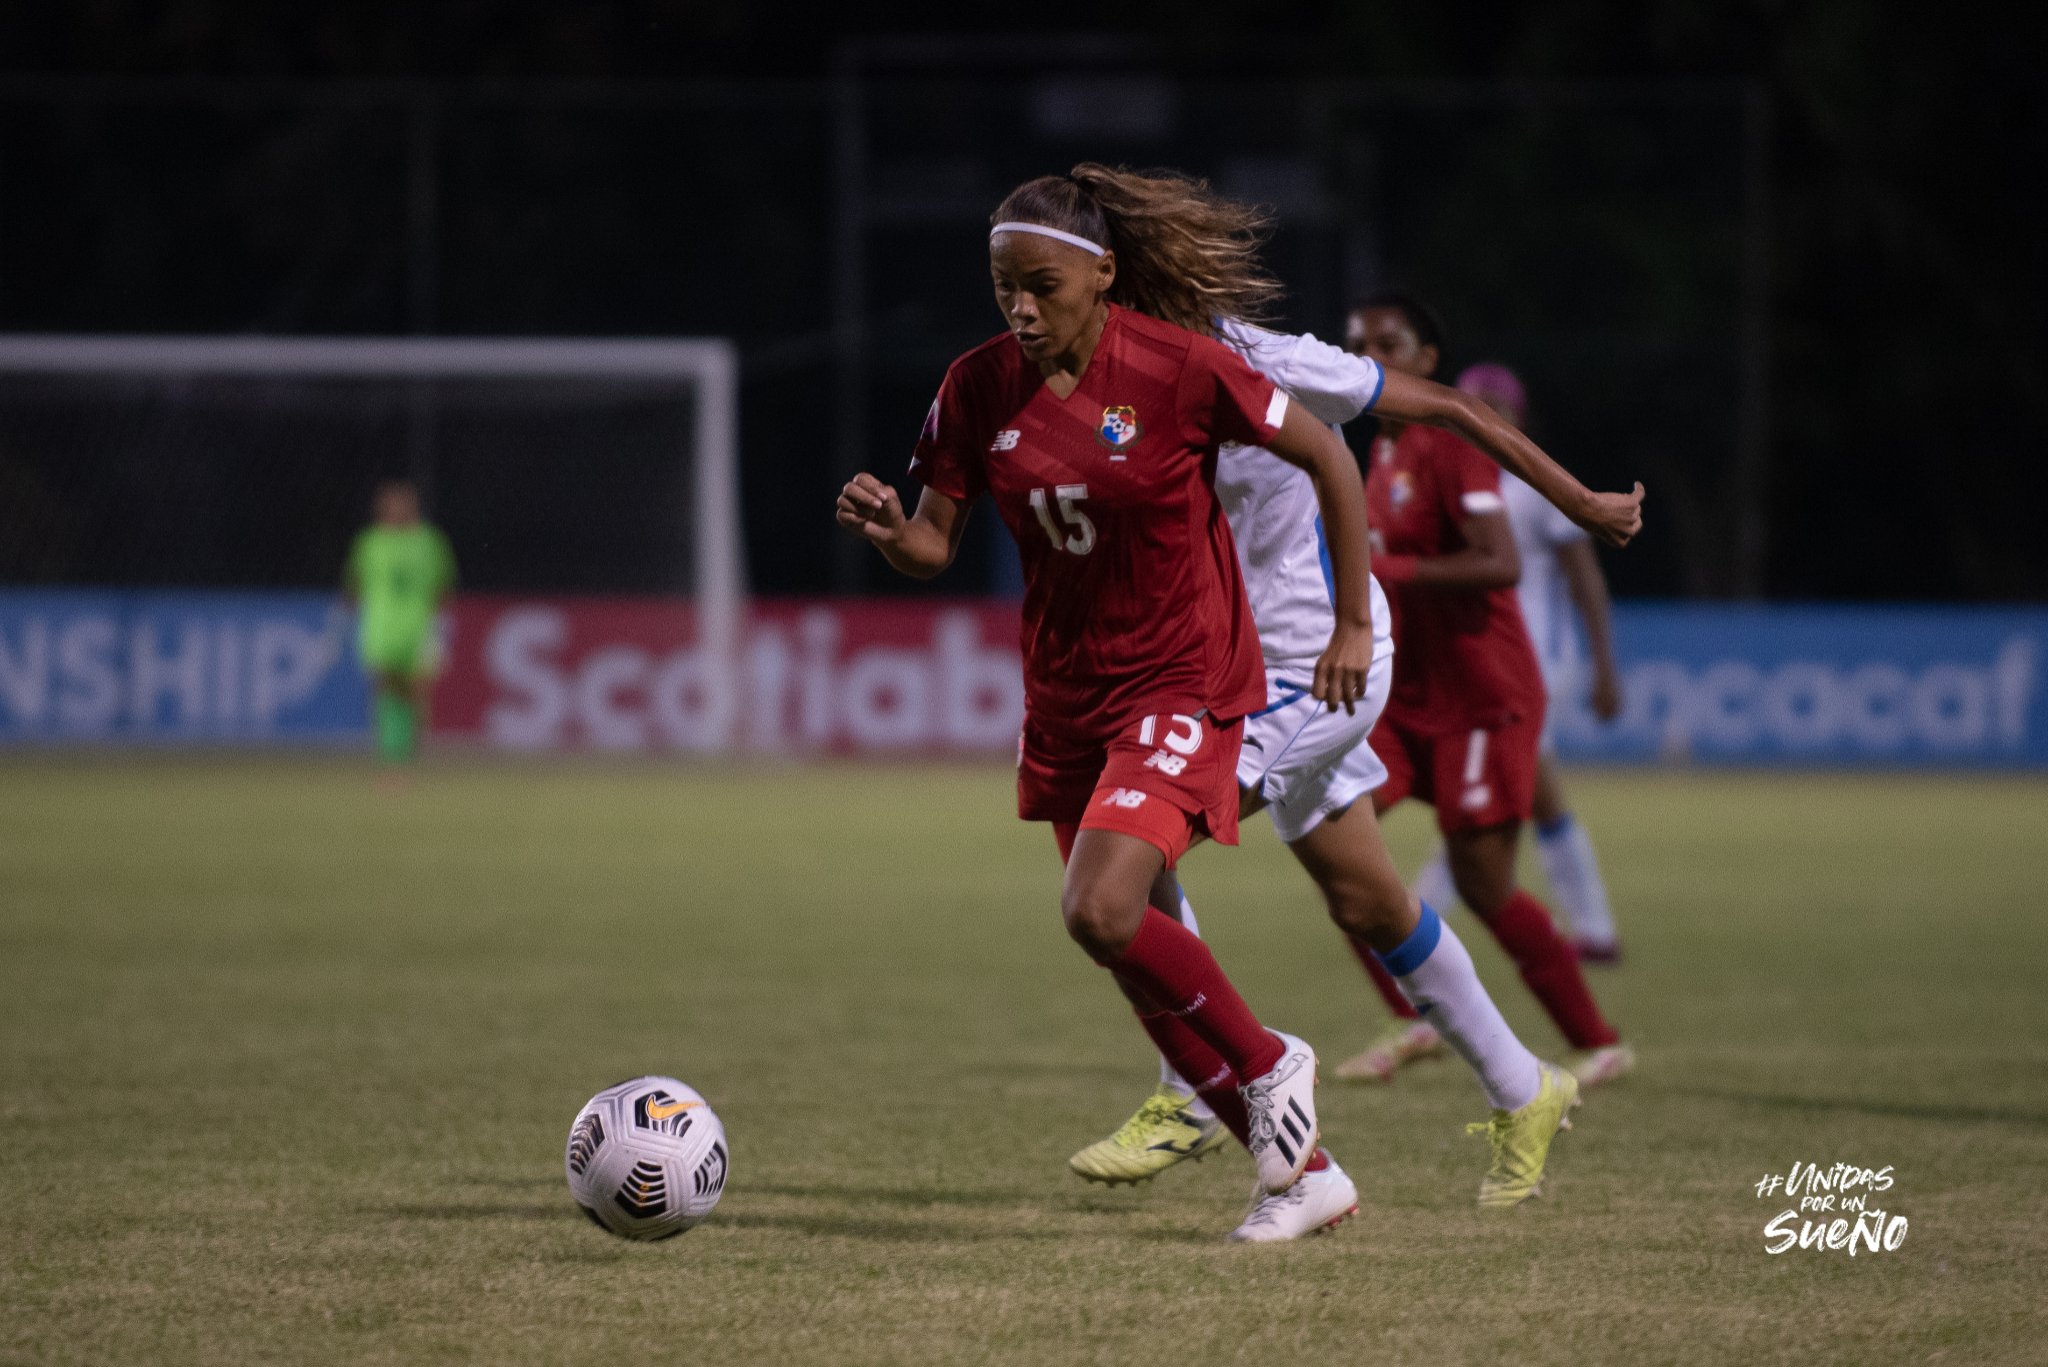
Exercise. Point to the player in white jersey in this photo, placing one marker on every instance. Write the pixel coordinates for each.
(1310, 766)
(1560, 577)
(1304, 761)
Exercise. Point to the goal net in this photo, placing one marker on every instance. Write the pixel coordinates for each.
(556, 466)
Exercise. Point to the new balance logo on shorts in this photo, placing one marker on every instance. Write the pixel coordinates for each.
(1181, 745)
(1127, 798)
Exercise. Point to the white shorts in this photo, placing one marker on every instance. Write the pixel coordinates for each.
(1306, 760)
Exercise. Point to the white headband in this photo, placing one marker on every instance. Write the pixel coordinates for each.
(1071, 239)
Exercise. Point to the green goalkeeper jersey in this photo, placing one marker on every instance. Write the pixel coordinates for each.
(398, 575)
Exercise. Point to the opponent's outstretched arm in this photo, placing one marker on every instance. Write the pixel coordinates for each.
(1614, 518)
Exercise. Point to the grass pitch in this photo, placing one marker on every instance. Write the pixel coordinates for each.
(287, 1062)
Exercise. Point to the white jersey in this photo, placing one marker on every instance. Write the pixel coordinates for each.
(1540, 532)
(1271, 505)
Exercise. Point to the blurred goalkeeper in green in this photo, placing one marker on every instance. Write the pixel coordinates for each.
(399, 570)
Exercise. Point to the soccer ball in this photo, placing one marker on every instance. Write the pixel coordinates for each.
(646, 1159)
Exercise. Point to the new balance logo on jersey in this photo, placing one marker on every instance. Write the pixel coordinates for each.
(1006, 440)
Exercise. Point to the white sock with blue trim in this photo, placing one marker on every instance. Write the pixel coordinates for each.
(1197, 1108)
(1574, 874)
(1437, 974)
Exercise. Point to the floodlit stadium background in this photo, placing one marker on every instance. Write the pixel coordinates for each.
(1725, 261)
(1779, 266)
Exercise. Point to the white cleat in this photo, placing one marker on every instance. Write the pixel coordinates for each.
(1400, 1044)
(1319, 1201)
(1597, 1067)
(1282, 1108)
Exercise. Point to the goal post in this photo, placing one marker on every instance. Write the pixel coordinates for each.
(134, 412)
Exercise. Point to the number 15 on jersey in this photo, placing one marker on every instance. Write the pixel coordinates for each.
(1074, 533)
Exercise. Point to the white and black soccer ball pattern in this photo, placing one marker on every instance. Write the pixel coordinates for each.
(647, 1159)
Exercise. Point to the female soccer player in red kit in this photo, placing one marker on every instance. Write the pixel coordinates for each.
(1095, 429)
(1463, 725)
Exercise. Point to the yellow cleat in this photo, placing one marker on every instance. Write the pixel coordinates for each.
(1162, 1133)
(1521, 1140)
(1400, 1044)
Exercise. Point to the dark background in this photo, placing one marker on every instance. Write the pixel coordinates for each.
(1777, 260)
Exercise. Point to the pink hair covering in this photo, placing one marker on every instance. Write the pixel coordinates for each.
(1495, 382)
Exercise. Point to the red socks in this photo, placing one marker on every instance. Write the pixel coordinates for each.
(1397, 1001)
(1203, 1068)
(1208, 1074)
(1551, 970)
(1171, 966)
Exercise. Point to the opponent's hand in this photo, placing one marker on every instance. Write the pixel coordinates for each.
(1614, 518)
(870, 507)
(1342, 669)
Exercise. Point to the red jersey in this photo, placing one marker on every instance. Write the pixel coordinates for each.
(1133, 603)
(1462, 658)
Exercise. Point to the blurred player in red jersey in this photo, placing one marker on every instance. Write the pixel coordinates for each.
(1561, 578)
(1463, 725)
(1095, 429)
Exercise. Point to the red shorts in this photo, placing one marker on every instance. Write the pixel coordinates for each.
(1167, 780)
(1473, 778)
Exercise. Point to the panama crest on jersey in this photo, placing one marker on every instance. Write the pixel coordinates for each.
(1119, 428)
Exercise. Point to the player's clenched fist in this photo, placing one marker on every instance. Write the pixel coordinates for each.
(1615, 518)
(871, 508)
